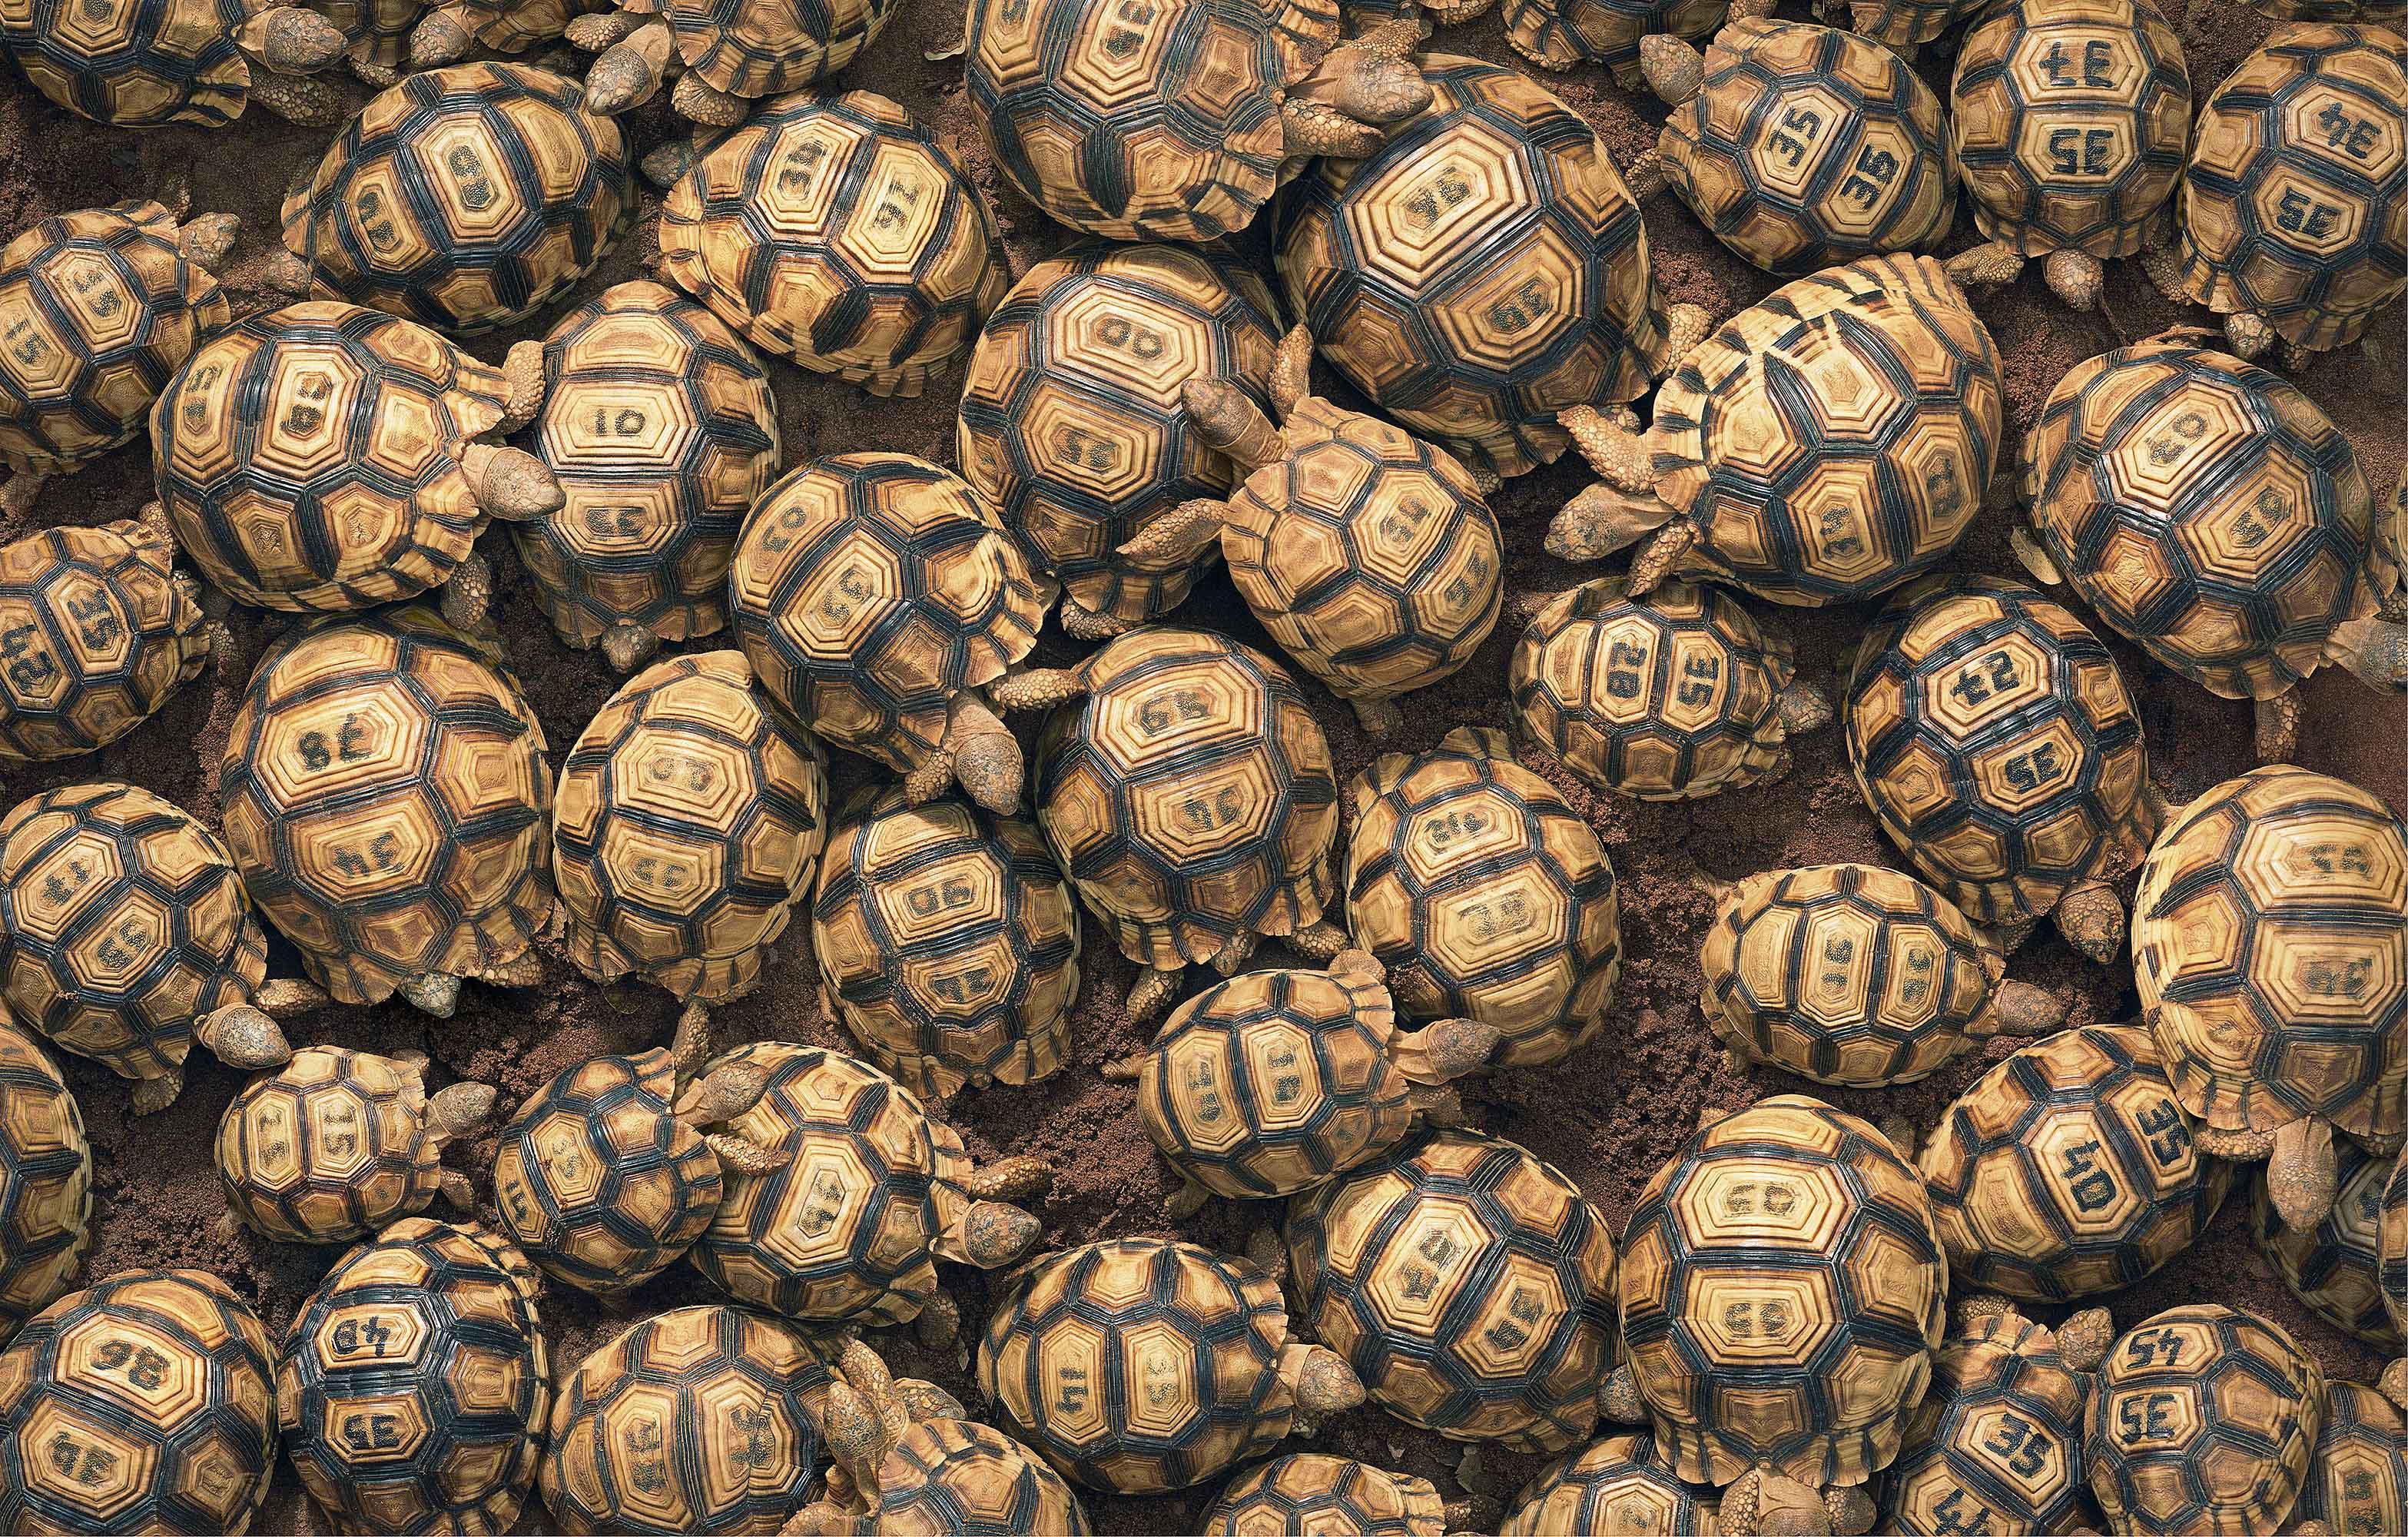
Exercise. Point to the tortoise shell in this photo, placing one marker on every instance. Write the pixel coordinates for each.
(2069, 122)
(2068, 1169)
(2295, 205)
(948, 943)
(1484, 895)
(761, 48)
(1806, 147)
(698, 1420)
(45, 1183)
(1482, 270)
(509, 26)
(847, 1228)
(2208, 511)
(1907, 23)
(1996, 1445)
(415, 1383)
(2202, 1420)
(1159, 121)
(332, 1146)
(1525, 1264)
(1670, 697)
(1834, 440)
(948, 1476)
(1071, 425)
(98, 309)
(1783, 1290)
(1995, 743)
(1559, 34)
(689, 818)
(388, 803)
(147, 1402)
(465, 198)
(2391, 1245)
(2335, 1267)
(1189, 797)
(1847, 974)
(662, 430)
(2358, 1478)
(836, 229)
(1140, 1364)
(2270, 942)
(134, 64)
(95, 633)
(598, 1181)
(1617, 1486)
(278, 461)
(1368, 554)
(869, 589)
(121, 921)
(1313, 1494)
(1272, 1082)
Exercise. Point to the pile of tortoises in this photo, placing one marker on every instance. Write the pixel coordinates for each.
(947, 818)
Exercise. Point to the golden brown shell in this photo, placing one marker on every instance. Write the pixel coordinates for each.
(1472, 880)
(1994, 739)
(1832, 1338)
(147, 1401)
(1071, 425)
(688, 822)
(660, 427)
(1523, 1266)
(2202, 1420)
(1189, 796)
(836, 229)
(948, 941)
(2270, 942)
(1481, 271)
(99, 306)
(415, 1383)
(2069, 122)
(697, 1419)
(2069, 1168)
(465, 198)
(387, 800)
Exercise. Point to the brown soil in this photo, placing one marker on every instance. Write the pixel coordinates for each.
(1607, 1119)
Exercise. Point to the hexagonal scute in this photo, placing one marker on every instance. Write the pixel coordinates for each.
(1806, 1366)
(152, 1395)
